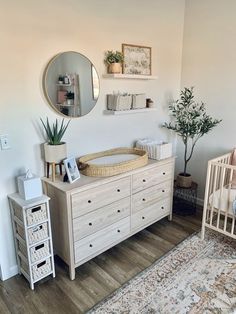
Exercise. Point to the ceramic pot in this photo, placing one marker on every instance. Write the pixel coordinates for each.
(184, 181)
(55, 153)
(114, 68)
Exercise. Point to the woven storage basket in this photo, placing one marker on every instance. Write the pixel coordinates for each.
(38, 233)
(94, 170)
(41, 269)
(119, 102)
(37, 252)
(36, 214)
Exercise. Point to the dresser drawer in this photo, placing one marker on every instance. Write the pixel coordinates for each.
(86, 201)
(149, 214)
(102, 239)
(151, 195)
(100, 218)
(151, 177)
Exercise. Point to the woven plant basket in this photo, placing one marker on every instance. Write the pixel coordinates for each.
(94, 170)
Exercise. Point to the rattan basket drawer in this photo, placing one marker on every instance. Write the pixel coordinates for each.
(89, 200)
(150, 214)
(37, 252)
(39, 270)
(100, 218)
(101, 240)
(151, 195)
(33, 215)
(35, 234)
(148, 178)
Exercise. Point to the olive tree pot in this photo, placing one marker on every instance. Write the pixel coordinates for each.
(184, 180)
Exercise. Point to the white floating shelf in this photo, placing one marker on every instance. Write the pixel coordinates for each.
(130, 76)
(122, 112)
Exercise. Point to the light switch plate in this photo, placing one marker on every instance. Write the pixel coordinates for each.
(4, 140)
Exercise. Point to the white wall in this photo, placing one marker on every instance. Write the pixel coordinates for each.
(209, 64)
(31, 33)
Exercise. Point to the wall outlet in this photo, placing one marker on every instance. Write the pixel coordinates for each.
(4, 140)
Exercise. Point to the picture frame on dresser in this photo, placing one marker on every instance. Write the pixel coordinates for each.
(137, 59)
(72, 170)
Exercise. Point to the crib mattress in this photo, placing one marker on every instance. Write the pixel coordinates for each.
(223, 200)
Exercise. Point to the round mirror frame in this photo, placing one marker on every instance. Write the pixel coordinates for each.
(74, 84)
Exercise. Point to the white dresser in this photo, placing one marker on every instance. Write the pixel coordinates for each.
(94, 214)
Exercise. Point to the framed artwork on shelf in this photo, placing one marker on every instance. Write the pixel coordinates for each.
(137, 59)
(71, 169)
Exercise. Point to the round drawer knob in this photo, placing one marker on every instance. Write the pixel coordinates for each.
(144, 199)
(90, 224)
(118, 211)
(90, 245)
(118, 190)
(118, 230)
(89, 201)
(163, 191)
(143, 217)
(163, 173)
(162, 207)
(144, 180)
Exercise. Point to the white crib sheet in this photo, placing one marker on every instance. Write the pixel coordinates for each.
(223, 201)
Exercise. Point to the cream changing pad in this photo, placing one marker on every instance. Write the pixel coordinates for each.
(224, 200)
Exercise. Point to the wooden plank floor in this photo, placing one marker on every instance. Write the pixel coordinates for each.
(99, 277)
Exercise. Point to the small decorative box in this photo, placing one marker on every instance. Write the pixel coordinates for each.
(29, 186)
(138, 101)
(119, 102)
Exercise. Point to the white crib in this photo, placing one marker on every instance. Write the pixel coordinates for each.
(220, 193)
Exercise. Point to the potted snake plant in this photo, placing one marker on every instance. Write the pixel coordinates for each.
(190, 122)
(55, 148)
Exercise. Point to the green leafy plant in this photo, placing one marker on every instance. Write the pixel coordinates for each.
(55, 132)
(113, 57)
(190, 122)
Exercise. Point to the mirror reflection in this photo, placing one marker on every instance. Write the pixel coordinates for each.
(71, 84)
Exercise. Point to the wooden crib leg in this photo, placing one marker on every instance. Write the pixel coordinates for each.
(203, 232)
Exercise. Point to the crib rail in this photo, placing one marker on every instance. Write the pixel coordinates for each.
(218, 213)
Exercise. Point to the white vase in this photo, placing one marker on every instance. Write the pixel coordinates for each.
(55, 153)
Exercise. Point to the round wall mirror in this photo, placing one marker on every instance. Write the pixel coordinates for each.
(71, 84)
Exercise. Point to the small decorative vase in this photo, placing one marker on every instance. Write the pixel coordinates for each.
(55, 153)
(114, 68)
(184, 181)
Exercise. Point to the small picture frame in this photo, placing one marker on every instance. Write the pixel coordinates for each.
(71, 169)
(137, 59)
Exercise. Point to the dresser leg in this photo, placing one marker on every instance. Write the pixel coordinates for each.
(72, 273)
(170, 217)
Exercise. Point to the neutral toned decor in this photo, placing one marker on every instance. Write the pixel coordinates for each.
(33, 238)
(114, 61)
(71, 169)
(191, 122)
(54, 149)
(106, 170)
(94, 214)
(137, 59)
(118, 102)
(219, 205)
(71, 84)
(155, 149)
(195, 277)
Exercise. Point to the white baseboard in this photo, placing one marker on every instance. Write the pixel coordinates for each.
(12, 271)
(200, 201)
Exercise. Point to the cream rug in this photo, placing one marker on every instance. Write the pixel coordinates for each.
(195, 277)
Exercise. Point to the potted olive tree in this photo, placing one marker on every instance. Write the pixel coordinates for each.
(190, 122)
(54, 148)
(114, 61)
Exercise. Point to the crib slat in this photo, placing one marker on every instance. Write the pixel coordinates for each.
(213, 194)
(228, 198)
(233, 224)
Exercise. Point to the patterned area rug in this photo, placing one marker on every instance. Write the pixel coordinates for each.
(195, 277)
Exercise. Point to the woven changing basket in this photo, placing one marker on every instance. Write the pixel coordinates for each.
(94, 170)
